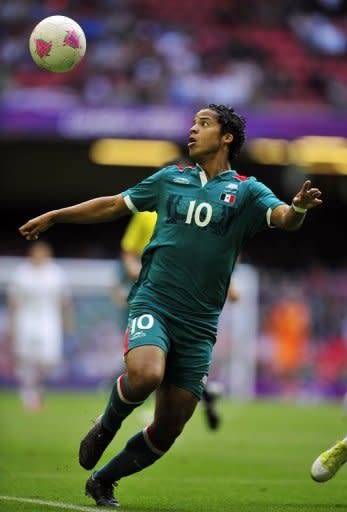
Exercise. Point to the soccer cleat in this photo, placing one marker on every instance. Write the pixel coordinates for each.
(209, 397)
(212, 417)
(101, 492)
(329, 462)
(94, 444)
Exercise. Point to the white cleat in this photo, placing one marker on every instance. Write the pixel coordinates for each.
(329, 462)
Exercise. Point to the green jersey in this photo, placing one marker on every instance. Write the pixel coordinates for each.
(201, 228)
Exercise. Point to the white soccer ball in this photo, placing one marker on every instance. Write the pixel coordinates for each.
(57, 44)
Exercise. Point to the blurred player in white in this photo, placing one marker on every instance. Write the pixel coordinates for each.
(39, 307)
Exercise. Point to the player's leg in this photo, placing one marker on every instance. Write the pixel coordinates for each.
(174, 407)
(27, 356)
(50, 356)
(28, 375)
(145, 371)
(210, 395)
(186, 369)
(190, 367)
(329, 462)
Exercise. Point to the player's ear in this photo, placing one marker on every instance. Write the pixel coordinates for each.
(228, 137)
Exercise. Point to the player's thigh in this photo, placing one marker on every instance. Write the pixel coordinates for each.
(146, 362)
(147, 345)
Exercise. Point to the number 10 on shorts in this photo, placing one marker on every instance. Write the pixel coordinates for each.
(145, 321)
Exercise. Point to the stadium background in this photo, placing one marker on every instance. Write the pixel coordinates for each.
(149, 66)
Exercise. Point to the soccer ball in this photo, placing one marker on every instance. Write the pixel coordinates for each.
(57, 44)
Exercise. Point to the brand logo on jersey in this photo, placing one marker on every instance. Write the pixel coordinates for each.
(138, 334)
(228, 198)
(183, 181)
(232, 186)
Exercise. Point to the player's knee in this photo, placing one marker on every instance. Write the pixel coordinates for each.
(145, 379)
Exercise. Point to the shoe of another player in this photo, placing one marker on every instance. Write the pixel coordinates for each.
(212, 417)
(101, 492)
(329, 462)
(94, 444)
(212, 393)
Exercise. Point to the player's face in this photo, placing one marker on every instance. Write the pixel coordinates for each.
(40, 253)
(205, 135)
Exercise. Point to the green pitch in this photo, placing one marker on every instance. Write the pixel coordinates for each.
(258, 461)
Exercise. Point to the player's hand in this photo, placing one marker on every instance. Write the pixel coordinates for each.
(307, 197)
(32, 229)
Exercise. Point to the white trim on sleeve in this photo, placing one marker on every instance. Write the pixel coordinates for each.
(268, 218)
(130, 204)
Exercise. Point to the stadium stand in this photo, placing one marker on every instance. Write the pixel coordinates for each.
(152, 52)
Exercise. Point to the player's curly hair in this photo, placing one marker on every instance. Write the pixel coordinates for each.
(231, 122)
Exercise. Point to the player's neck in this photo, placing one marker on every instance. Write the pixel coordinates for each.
(214, 166)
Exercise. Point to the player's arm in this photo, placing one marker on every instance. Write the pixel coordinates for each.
(132, 264)
(291, 217)
(233, 295)
(101, 209)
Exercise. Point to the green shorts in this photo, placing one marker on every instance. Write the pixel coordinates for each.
(188, 356)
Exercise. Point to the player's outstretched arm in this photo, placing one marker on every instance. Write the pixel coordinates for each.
(291, 217)
(101, 209)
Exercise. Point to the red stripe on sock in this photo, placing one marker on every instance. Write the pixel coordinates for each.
(123, 391)
(122, 386)
(126, 342)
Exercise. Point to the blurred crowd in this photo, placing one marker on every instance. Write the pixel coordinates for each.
(303, 340)
(254, 53)
(250, 53)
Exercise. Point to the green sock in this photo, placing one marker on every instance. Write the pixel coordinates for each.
(118, 407)
(138, 454)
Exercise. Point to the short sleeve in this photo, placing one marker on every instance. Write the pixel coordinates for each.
(145, 195)
(262, 202)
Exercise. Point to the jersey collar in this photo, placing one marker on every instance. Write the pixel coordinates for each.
(203, 176)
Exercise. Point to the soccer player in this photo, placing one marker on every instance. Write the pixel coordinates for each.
(39, 309)
(206, 213)
(329, 462)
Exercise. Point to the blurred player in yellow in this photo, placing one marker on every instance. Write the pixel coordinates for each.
(137, 235)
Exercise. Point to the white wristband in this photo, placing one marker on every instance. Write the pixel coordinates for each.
(298, 209)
